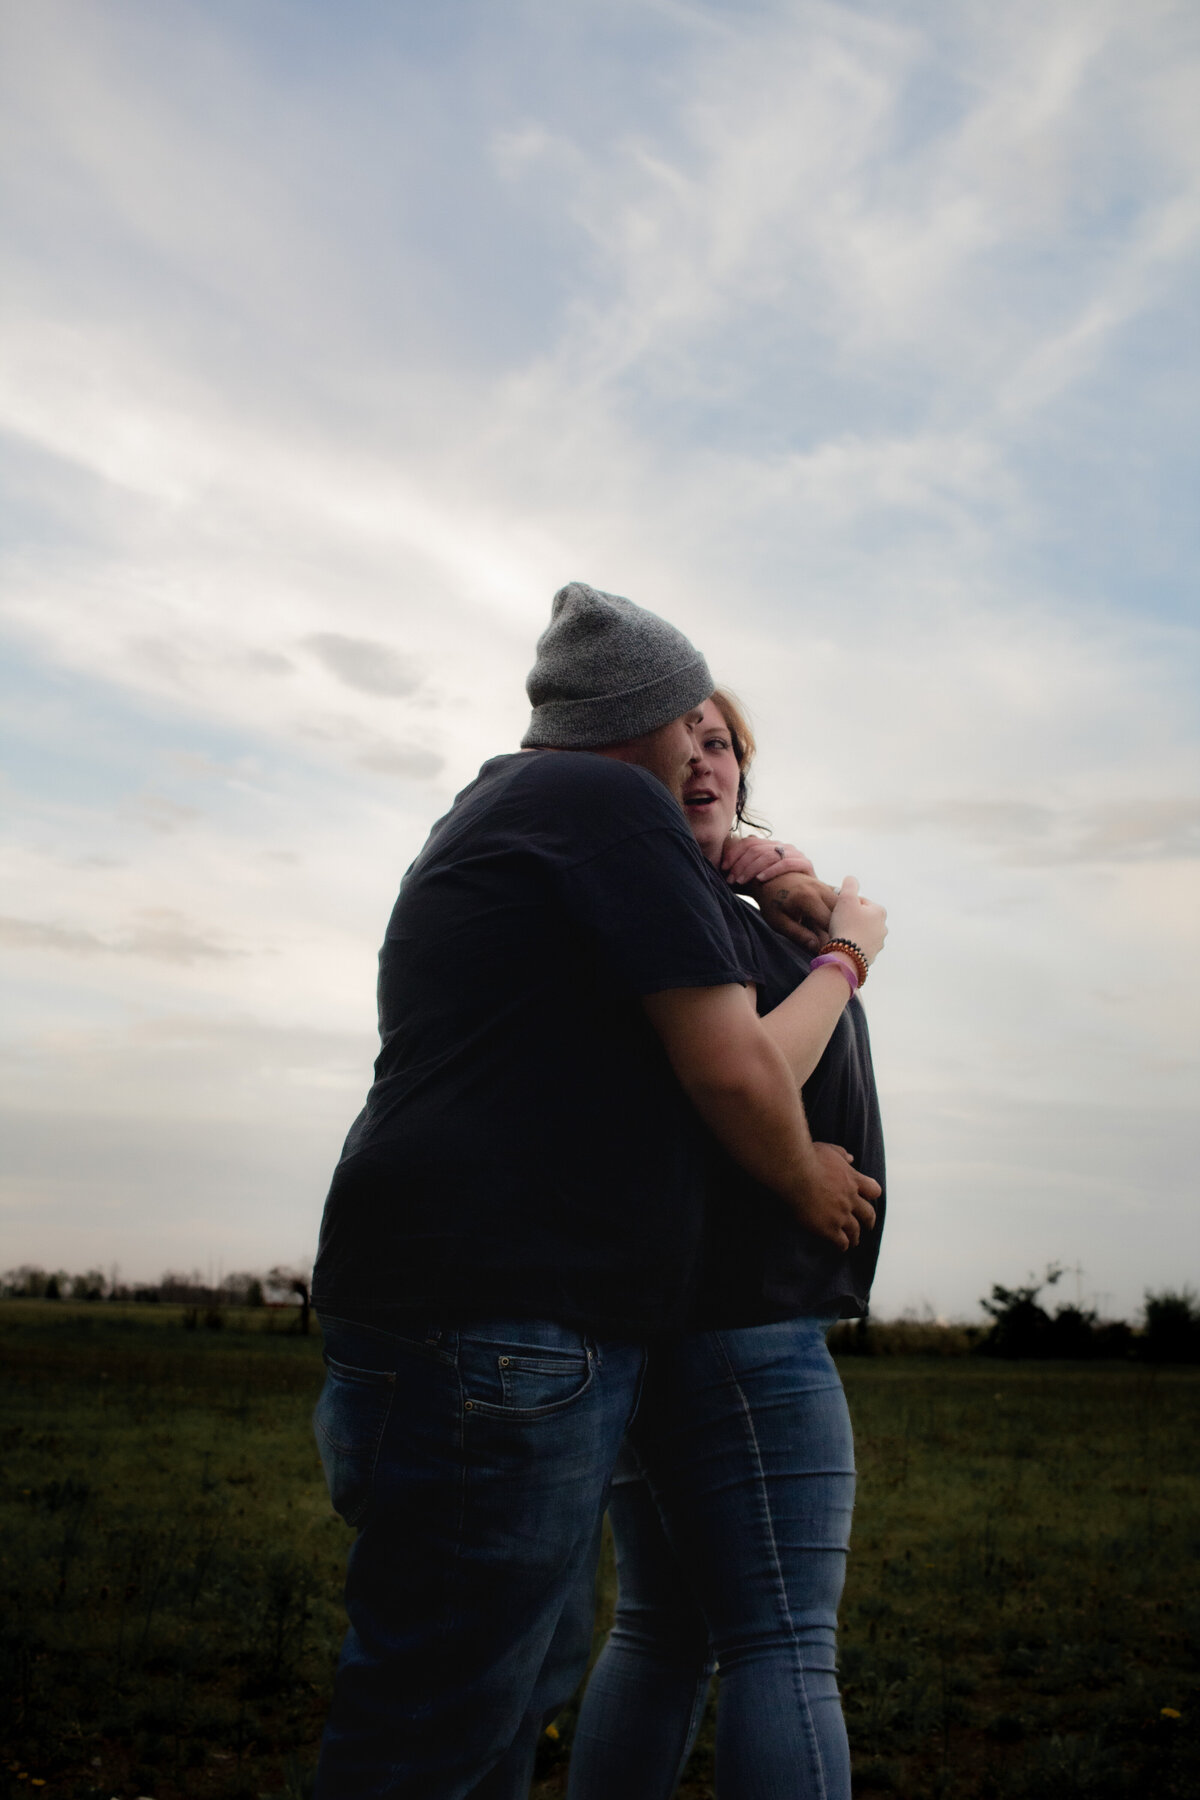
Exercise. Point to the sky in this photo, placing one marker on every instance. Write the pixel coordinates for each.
(859, 340)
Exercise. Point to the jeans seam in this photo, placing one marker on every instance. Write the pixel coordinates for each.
(454, 1577)
(780, 1583)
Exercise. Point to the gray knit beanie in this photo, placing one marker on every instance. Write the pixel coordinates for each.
(608, 670)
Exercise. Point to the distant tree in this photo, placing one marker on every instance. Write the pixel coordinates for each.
(1172, 1329)
(26, 1283)
(184, 1289)
(1020, 1327)
(1071, 1332)
(90, 1285)
(1114, 1338)
(283, 1280)
(246, 1289)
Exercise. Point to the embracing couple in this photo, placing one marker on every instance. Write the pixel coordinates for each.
(582, 1248)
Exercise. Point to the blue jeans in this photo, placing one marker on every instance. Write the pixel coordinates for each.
(475, 1463)
(731, 1512)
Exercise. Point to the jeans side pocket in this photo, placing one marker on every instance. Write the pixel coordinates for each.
(531, 1382)
(349, 1422)
(527, 1385)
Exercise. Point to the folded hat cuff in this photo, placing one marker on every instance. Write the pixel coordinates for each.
(612, 718)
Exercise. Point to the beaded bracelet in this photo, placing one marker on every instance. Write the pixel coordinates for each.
(842, 966)
(854, 952)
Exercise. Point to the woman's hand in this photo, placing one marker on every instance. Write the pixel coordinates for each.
(749, 859)
(864, 922)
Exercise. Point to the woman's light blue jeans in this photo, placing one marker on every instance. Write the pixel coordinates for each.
(731, 1511)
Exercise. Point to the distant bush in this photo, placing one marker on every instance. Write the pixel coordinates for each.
(1172, 1330)
(1021, 1327)
(902, 1337)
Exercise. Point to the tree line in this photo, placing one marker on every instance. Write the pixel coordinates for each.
(1168, 1329)
(280, 1286)
(1021, 1326)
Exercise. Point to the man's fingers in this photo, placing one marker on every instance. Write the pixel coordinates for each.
(864, 1213)
(811, 940)
(844, 1211)
(797, 893)
(801, 934)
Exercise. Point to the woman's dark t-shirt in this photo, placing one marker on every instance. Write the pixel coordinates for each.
(759, 1264)
(525, 1149)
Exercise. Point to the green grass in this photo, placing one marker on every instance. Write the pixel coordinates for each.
(1022, 1600)
(169, 1564)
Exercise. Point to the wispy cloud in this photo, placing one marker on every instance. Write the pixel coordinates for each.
(370, 750)
(158, 934)
(1132, 831)
(363, 663)
(160, 812)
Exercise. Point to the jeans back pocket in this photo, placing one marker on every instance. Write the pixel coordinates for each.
(349, 1422)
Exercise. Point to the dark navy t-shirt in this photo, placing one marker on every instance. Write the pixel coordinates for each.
(759, 1264)
(525, 1148)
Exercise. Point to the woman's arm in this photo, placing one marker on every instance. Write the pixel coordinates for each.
(802, 1025)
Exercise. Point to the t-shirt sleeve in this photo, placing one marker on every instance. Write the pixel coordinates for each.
(653, 914)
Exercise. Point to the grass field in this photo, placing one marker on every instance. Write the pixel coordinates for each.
(1022, 1619)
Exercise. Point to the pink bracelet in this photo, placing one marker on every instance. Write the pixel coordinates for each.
(838, 962)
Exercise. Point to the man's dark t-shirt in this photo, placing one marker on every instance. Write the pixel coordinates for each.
(525, 1149)
(759, 1263)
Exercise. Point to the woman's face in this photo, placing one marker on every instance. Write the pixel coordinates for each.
(710, 791)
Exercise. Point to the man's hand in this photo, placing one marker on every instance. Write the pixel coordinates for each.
(836, 1204)
(798, 907)
(755, 859)
(741, 1085)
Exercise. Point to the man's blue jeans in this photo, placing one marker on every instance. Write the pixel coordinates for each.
(731, 1514)
(475, 1463)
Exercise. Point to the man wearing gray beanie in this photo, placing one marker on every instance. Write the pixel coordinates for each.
(517, 1209)
(608, 671)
